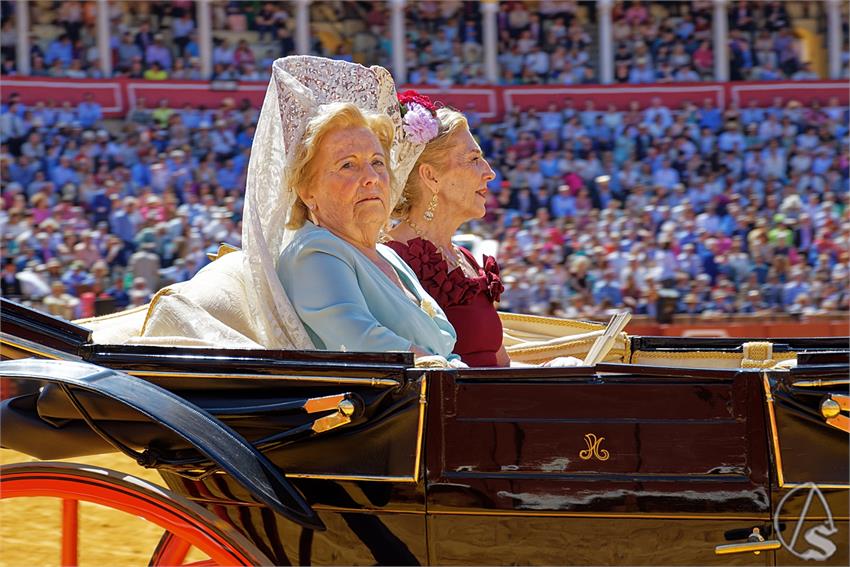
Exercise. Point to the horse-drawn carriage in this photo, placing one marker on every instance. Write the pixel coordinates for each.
(673, 451)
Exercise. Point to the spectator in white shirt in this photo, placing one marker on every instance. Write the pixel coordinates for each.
(223, 53)
(666, 176)
(770, 128)
(538, 61)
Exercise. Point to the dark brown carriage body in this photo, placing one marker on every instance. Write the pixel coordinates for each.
(616, 464)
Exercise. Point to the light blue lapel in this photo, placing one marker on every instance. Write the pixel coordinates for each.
(405, 274)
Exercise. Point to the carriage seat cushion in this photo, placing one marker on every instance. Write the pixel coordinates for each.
(211, 308)
(532, 339)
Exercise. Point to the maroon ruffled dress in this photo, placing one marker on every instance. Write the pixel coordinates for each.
(467, 302)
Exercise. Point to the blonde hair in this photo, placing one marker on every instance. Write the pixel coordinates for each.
(335, 116)
(579, 262)
(436, 153)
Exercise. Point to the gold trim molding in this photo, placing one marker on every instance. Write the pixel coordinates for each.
(372, 382)
(34, 348)
(774, 433)
(612, 515)
(820, 383)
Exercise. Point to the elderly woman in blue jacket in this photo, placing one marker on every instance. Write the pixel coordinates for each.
(351, 292)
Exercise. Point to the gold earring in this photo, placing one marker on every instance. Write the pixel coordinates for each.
(428, 215)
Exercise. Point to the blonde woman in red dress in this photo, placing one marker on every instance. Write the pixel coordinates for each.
(446, 187)
(445, 179)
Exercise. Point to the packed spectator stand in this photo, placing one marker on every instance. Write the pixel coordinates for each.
(441, 43)
(726, 211)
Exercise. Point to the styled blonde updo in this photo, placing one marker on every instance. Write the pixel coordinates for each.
(437, 153)
(335, 116)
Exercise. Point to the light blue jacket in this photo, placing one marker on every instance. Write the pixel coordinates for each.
(348, 304)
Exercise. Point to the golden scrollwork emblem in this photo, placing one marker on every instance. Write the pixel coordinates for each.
(594, 449)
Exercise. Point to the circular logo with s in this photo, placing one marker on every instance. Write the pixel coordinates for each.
(817, 546)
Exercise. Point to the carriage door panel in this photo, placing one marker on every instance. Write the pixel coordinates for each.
(531, 467)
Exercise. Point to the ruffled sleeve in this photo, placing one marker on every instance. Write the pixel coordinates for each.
(448, 288)
(492, 279)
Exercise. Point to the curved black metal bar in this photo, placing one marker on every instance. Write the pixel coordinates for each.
(47, 330)
(206, 433)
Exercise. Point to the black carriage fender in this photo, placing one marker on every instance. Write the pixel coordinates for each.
(217, 441)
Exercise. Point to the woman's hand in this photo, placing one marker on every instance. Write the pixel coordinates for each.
(562, 362)
(437, 361)
(502, 357)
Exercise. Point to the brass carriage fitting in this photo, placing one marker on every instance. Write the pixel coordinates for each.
(755, 544)
(346, 408)
(829, 408)
(325, 403)
(755, 536)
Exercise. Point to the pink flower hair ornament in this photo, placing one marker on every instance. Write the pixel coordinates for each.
(418, 117)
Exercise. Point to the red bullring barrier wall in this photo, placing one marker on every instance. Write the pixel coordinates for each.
(117, 96)
(833, 326)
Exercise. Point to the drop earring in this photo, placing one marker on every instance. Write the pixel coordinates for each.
(428, 215)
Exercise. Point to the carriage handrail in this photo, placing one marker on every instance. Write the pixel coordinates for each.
(210, 436)
(54, 331)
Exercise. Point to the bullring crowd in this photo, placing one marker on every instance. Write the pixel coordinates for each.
(594, 208)
(742, 210)
(538, 42)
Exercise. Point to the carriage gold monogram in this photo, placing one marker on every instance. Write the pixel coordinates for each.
(594, 448)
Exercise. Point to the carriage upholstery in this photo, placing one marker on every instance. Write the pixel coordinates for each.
(534, 339)
(752, 354)
(208, 310)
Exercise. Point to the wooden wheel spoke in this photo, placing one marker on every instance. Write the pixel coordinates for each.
(70, 532)
(171, 550)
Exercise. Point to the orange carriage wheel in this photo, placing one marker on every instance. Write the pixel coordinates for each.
(186, 524)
